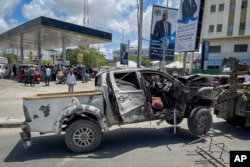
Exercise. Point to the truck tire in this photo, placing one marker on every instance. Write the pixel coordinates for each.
(200, 121)
(83, 136)
(178, 121)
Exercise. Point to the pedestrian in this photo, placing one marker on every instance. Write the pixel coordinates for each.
(14, 70)
(26, 75)
(31, 75)
(53, 72)
(47, 75)
(71, 80)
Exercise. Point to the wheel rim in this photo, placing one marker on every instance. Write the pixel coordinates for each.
(83, 137)
(202, 121)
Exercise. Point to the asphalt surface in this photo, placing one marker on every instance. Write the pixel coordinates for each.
(12, 93)
(142, 144)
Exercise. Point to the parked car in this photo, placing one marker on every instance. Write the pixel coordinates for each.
(4, 71)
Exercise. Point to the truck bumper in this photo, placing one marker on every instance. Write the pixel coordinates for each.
(26, 135)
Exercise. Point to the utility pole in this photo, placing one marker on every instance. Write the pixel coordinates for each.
(140, 34)
(128, 52)
(122, 35)
(86, 13)
(164, 47)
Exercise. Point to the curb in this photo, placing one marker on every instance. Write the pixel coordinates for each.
(8, 122)
(10, 125)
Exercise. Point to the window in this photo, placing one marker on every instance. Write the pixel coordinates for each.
(213, 8)
(240, 48)
(244, 4)
(211, 28)
(232, 6)
(214, 49)
(230, 28)
(221, 7)
(219, 27)
(242, 26)
(126, 81)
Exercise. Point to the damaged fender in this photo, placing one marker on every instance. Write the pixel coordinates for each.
(76, 108)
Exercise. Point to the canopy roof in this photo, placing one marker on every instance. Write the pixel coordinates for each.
(52, 34)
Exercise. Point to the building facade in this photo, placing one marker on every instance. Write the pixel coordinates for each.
(226, 26)
(132, 52)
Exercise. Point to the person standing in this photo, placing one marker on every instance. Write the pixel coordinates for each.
(14, 70)
(26, 75)
(47, 75)
(71, 80)
(162, 27)
(31, 75)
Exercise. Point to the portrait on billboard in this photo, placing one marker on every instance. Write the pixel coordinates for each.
(123, 54)
(189, 8)
(163, 29)
(187, 26)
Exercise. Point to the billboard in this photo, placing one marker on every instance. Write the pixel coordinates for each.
(163, 31)
(204, 54)
(123, 54)
(187, 26)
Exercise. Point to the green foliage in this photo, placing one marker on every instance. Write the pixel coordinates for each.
(71, 55)
(91, 57)
(46, 62)
(11, 58)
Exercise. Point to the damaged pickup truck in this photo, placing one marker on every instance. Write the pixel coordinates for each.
(120, 97)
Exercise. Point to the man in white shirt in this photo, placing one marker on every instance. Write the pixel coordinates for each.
(71, 80)
(47, 75)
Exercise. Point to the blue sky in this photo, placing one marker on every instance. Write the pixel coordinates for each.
(118, 17)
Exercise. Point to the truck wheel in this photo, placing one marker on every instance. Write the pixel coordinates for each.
(178, 121)
(83, 136)
(200, 121)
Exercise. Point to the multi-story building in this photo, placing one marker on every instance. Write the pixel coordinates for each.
(226, 26)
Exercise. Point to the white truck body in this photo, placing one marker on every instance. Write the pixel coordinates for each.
(47, 110)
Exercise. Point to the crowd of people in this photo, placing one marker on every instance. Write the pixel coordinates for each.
(47, 73)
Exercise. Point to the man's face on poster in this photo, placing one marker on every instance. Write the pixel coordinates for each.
(164, 16)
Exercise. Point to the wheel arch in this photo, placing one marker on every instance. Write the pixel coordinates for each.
(65, 118)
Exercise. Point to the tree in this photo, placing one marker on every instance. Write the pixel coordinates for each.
(71, 55)
(91, 57)
(11, 57)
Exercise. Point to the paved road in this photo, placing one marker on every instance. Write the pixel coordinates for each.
(135, 145)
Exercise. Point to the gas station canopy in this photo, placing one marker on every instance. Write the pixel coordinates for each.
(51, 34)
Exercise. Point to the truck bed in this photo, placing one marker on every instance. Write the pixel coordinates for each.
(44, 111)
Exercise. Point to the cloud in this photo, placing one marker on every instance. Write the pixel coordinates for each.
(116, 17)
(6, 11)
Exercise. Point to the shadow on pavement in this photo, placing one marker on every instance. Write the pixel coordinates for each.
(230, 131)
(115, 143)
